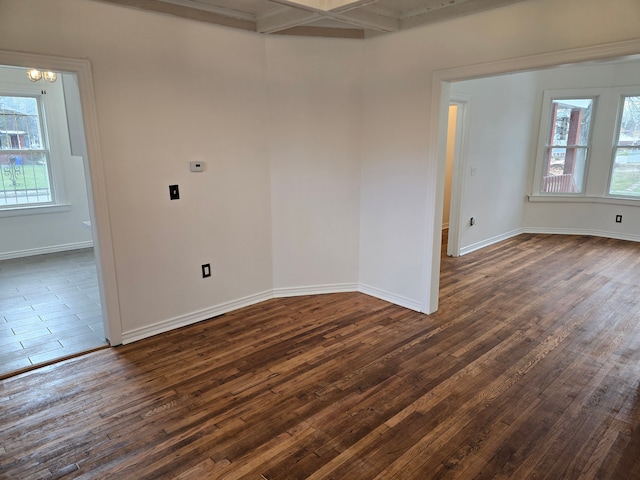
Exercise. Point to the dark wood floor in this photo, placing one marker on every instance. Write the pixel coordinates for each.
(530, 369)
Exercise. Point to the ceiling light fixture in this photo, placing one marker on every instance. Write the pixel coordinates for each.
(35, 75)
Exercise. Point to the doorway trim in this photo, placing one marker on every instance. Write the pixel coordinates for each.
(459, 169)
(436, 154)
(96, 188)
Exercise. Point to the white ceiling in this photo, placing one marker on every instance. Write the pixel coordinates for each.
(330, 18)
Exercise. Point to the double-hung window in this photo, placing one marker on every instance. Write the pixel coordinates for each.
(25, 171)
(566, 150)
(625, 173)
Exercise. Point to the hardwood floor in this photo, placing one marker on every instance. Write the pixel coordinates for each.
(530, 369)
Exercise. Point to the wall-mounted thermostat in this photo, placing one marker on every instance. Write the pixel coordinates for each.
(196, 166)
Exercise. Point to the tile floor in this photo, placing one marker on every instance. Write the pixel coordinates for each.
(49, 308)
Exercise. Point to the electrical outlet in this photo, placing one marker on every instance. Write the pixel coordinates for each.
(618, 218)
(206, 270)
(174, 193)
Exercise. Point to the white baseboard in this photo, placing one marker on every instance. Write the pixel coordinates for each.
(593, 233)
(44, 250)
(490, 241)
(391, 297)
(193, 317)
(314, 290)
(207, 313)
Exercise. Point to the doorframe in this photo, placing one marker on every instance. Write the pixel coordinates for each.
(96, 187)
(436, 154)
(459, 169)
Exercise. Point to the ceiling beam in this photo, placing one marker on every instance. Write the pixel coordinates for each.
(361, 18)
(285, 18)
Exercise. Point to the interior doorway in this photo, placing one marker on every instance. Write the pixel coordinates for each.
(50, 305)
(453, 176)
(85, 136)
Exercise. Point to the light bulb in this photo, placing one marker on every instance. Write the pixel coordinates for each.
(34, 75)
(50, 76)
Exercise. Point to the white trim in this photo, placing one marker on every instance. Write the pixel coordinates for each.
(491, 241)
(574, 231)
(314, 290)
(45, 250)
(584, 199)
(391, 297)
(194, 317)
(34, 210)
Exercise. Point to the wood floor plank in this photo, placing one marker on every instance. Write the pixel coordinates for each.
(529, 369)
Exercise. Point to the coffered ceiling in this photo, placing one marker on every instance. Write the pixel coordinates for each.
(328, 18)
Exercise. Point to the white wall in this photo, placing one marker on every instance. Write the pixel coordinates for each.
(48, 232)
(500, 134)
(399, 195)
(169, 91)
(314, 130)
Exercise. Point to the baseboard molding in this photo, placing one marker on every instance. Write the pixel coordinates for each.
(194, 317)
(490, 241)
(44, 250)
(314, 290)
(390, 297)
(549, 231)
(592, 233)
(207, 313)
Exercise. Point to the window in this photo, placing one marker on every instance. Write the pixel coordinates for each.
(567, 146)
(25, 174)
(625, 173)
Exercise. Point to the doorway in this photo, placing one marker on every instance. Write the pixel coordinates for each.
(453, 175)
(84, 140)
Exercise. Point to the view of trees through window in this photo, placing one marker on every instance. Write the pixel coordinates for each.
(24, 167)
(625, 175)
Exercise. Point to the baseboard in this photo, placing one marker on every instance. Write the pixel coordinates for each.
(314, 290)
(194, 317)
(44, 250)
(592, 233)
(491, 241)
(207, 313)
(391, 297)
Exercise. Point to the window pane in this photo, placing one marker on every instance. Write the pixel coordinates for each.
(24, 178)
(625, 177)
(630, 123)
(19, 124)
(570, 121)
(564, 171)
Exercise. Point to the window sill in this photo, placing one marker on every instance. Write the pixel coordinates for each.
(583, 199)
(34, 210)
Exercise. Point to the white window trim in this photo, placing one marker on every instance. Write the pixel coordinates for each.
(543, 137)
(603, 140)
(616, 136)
(51, 135)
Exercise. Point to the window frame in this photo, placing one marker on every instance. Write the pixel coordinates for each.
(544, 139)
(616, 144)
(50, 142)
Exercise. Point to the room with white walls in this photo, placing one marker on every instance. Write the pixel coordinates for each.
(320, 166)
(401, 202)
(47, 230)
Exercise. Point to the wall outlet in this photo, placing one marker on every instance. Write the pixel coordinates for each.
(618, 218)
(206, 270)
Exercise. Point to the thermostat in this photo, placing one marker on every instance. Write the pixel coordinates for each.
(196, 166)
